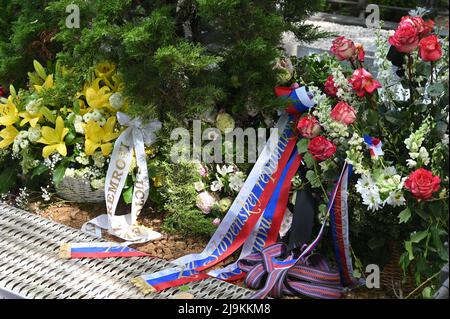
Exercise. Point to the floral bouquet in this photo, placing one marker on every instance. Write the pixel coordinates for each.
(66, 143)
(393, 129)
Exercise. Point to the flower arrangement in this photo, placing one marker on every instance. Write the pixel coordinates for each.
(393, 129)
(60, 141)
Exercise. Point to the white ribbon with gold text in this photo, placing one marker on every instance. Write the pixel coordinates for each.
(133, 139)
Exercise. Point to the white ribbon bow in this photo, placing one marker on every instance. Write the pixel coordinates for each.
(133, 139)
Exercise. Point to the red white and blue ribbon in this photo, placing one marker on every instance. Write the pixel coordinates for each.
(245, 221)
(274, 168)
(375, 146)
(277, 270)
(339, 223)
(98, 250)
(273, 272)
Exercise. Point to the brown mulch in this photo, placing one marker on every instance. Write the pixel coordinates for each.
(168, 247)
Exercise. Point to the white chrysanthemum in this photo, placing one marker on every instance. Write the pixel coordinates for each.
(372, 200)
(365, 183)
(116, 100)
(395, 199)
(87, 117)
(101, 121)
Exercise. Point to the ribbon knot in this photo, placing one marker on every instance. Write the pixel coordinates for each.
(132, 141)
(276, 273)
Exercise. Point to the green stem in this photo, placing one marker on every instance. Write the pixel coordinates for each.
(316, 171)
(422, 284)
(410, 78)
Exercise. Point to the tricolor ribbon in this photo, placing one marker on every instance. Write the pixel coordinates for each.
(132, 141)
(277, 270)
(374, 145)
(97, 250)
(255, 216)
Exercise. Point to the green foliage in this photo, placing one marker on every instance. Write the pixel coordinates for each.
(181, 57)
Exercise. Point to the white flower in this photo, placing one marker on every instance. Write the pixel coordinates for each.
(364, 184)
(96, 115)
(390, 171)
(70, 172)
(99, 159)
(237, 181)
(225, 169)
(33, 106)
(78, 124)
(372, 199)
(34, 133)
(411, 163)
(395, 199)
(205, 202)
(199, 186)
(87, 117)
(116, 100)
(82, 158)
(217, 185)
(98, 183)
(424, 156)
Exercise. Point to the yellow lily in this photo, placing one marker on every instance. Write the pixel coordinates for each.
(33, 119)
(97, 97)
(100, 137)
(48, 84)
(105, 69)
(54, 138)
(8, 113)
(8, 134)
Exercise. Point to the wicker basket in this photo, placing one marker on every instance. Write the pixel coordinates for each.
(79, 190)
(392, 277)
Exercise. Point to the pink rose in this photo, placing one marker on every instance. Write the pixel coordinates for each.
(308, 126)
(423, 28)
(330, 87)
(321, 148)
(422, 184)
(343, 48)
(343, 113)
(430, 49)
(216, 222)
(362, 82)
(205, 202)
(406, 38)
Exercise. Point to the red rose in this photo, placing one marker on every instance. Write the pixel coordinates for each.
(330, 88)
(308, 126)
(343, 113)
(422, 184)
(321, 148)
(423, 28)
(362, 82)
(430, 48)
(406, 37)
(343, 48)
